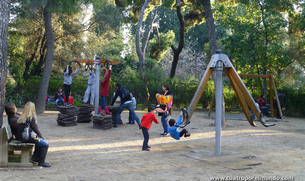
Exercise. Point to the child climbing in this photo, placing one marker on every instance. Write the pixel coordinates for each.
(68, 81)
(105, 90)
(91, 86)
(146, 121)
(174, 131)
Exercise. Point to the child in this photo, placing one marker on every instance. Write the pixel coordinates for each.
(12, 116)
(134, 104)
(173, 129)
(146, 121)
(68, 81)
(91, 86)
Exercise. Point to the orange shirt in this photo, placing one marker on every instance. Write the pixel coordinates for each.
(147, 119)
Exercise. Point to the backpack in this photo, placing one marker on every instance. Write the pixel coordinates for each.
(125, 93)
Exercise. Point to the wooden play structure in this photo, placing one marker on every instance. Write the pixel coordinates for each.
(97, 62)
(218, 63)
(272, 86)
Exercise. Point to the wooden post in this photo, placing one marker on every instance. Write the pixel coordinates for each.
(277, 98)
(211, 105)
(3, 148)
(240, 97)
(199, 90)
(271, 97)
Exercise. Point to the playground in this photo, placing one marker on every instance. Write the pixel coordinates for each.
(83, 153)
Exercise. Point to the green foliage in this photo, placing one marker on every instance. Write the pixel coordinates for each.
(157, 51)
(256, 38)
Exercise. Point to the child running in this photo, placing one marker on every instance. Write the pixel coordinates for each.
(146, 121)
(174, 131)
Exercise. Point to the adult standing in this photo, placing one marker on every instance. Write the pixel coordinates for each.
(167, 92)
(104, 93)
(126, 103)
(91, 86)
(68, 81)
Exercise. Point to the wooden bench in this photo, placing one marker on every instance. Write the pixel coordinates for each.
(8, 144)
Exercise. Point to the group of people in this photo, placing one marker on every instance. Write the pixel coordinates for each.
(18, 123)
(60, 96)
(170, 127)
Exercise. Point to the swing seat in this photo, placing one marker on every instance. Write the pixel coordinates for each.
(185, 117)
(264, 123)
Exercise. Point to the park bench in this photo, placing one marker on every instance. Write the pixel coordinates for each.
(10, 145)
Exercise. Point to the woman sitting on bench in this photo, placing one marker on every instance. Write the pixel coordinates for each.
(28, 117)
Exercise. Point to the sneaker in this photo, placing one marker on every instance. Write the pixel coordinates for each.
(162, 134)
(145, 149)
(187, 135)
(166, 134)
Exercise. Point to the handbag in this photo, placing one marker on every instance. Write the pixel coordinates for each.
(26, 132)
(28, 135)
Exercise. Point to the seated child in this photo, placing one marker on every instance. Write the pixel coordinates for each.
(12, 116)
(146, 121)
(173, 129)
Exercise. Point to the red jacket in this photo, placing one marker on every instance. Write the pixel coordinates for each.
(261, 102)
(105, 84)
(147, 119)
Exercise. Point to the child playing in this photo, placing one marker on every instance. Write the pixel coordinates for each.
(173, 129)
(146, 121)
(134, 104)
(68, 80)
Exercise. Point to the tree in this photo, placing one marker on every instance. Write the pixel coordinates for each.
(44, 84)
(258, 37)
(209, 19)
(49, 7)
(4, 21)
(141, 50)
(178, 50)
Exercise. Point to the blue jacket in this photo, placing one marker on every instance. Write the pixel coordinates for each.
(174, 131)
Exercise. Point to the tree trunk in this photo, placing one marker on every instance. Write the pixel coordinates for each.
(44, 84)
(178, 50)
(4, 20)
(141, 50)
(211, 25)
(141, 55)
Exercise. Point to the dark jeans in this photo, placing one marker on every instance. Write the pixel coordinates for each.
(130, 118)
(128, 106)
(183, 132)
(58, 101)
(67, 91)
(146, 138)
(103, 102)
(164, 123)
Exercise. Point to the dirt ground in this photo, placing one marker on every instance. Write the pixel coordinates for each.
(248, 153)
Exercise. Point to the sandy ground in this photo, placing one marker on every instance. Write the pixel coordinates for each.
(84, 153)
